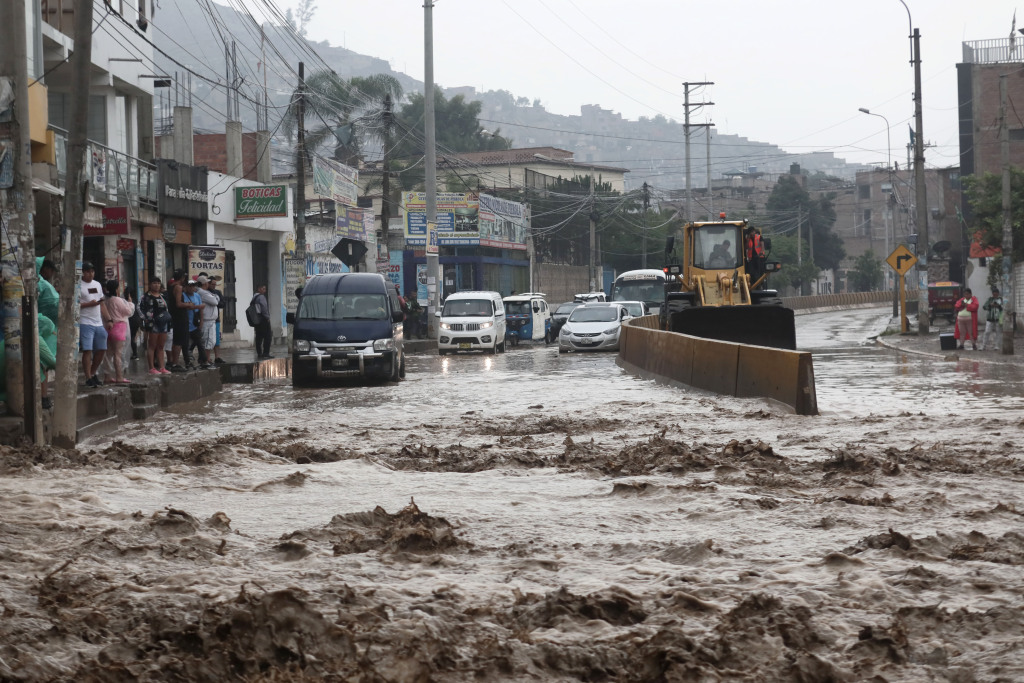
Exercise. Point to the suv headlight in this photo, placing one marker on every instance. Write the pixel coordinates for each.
(484, 326)
(384, 345)
(445, 326)
(302, 345)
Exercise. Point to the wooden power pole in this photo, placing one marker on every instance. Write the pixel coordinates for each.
(76, 193)
(16, 210)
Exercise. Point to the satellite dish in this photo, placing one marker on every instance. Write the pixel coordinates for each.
(941, 248)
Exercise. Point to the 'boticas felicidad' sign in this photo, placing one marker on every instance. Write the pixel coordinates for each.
(264, 201)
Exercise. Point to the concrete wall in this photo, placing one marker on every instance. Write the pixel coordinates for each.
(560, 283)
(722, 367)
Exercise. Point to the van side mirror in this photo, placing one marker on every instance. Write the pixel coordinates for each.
(437, 314)
(670, 243)
(289, 318)
(397, 316)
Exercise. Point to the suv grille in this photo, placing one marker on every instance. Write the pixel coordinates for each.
(468, 327)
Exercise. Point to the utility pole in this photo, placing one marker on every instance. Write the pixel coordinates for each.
(647, 203)
(711, 196)
(430, 170)
(593, 235)
(16, 210)
(385, 202)
(65, 410)
(686, 131)
(300, 170)
(923, 245)
(1007, 288)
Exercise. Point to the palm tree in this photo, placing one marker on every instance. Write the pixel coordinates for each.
(342, 114)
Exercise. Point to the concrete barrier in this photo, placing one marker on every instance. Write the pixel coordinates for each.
(722, 367)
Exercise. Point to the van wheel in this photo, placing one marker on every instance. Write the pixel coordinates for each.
(401, 368)
(395, 369)
(501, 347)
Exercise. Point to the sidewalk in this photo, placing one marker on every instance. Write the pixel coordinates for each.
(928, 345)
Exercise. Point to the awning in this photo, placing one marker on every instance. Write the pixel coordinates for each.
(46, 187)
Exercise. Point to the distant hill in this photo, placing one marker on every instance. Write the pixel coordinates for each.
(652, 149)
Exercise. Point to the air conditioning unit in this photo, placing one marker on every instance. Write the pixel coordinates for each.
(937, 213)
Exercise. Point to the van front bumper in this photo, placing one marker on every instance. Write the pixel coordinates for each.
(362, 363)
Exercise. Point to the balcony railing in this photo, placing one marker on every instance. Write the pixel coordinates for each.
(114, 177)
(994, 51)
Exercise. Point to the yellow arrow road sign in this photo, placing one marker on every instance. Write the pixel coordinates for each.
(901, 260)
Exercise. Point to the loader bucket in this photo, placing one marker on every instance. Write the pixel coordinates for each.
(758, 325)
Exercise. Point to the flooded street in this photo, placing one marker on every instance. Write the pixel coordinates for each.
(535, 517)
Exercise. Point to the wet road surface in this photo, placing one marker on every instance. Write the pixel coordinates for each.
(571, 522)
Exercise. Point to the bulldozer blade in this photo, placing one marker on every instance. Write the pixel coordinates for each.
(772, 326)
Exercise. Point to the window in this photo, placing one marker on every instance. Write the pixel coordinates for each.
(1016, 134)
(864, 191)
(866, 222)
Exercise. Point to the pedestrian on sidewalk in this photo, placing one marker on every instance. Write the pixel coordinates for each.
(156, 321)
(221, 305)
(264, 334)
(210, 314)
(118, 311)
(195, 325)
(967, 320)
(181, 311)
(134, 322)
(993, 319)
(92, 333)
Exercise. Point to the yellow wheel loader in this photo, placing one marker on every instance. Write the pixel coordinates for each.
(719, 291)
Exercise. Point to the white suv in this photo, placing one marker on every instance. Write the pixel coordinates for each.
(471, 321)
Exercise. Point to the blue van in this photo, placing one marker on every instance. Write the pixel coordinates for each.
(347, 325)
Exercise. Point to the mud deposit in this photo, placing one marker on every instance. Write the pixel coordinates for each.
(612, 530)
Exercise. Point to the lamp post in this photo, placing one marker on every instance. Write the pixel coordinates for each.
(888, 166)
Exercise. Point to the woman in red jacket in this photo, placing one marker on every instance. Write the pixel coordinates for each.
(967, 320)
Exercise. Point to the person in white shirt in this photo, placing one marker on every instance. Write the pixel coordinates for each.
(92, 332)
(210, 314)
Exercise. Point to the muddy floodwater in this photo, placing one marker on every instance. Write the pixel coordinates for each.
(535, 517)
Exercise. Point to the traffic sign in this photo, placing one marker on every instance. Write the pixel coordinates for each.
(901, 260)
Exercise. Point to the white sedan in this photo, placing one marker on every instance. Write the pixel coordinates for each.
(592, 327)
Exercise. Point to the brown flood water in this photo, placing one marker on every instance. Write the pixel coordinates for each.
(534, 517)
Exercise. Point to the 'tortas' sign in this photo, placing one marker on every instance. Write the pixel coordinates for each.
(264, 201)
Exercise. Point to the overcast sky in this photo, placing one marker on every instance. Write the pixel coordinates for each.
(791, 73)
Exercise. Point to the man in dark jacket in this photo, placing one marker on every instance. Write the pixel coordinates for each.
(264, 334)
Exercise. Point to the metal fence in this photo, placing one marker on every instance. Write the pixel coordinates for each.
(114, 177)
(994, 51)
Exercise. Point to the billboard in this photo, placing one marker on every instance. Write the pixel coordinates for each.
(115, 222)
(335, 180)
(355, 224)
(206, 259)
(457, 218)
(503, 224)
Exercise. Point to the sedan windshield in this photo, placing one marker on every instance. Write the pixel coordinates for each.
(467, 308)
(596, 314)
(344, 307)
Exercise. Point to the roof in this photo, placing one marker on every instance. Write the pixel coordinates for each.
(547, 156)
(349, 283)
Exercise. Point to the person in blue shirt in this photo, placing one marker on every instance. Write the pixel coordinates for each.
(195, 325)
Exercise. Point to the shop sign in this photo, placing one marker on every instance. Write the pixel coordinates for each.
(265, 201)
(125, 245)
(503, 224)
(115, 222)
(181, 190)
(355, 224)
(335, 180)
(170, 231)
(206, 259)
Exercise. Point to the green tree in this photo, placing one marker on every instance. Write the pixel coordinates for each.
(985, 194)
(793, 274)
(789, 200)
(866, 275)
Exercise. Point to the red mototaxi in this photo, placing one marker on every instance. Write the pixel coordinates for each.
(942, 298)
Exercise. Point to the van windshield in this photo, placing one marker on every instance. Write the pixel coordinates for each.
(467, 308)
(344, 307)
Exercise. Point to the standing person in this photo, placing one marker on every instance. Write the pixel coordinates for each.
(263, 332)
(134, 322)
(412, 321)
(210, 313)
(967, 320)
(221, 305)
(117, 311)
(156, 321)
(181, 311)
(92, 333)
(993, 318)
(195, 331)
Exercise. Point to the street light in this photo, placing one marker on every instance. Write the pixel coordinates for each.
(888, 207)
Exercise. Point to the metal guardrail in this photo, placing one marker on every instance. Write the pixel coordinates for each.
(113, 176)
(847, 299)
(994, 51)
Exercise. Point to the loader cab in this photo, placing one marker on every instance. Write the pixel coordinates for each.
(718, 246)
